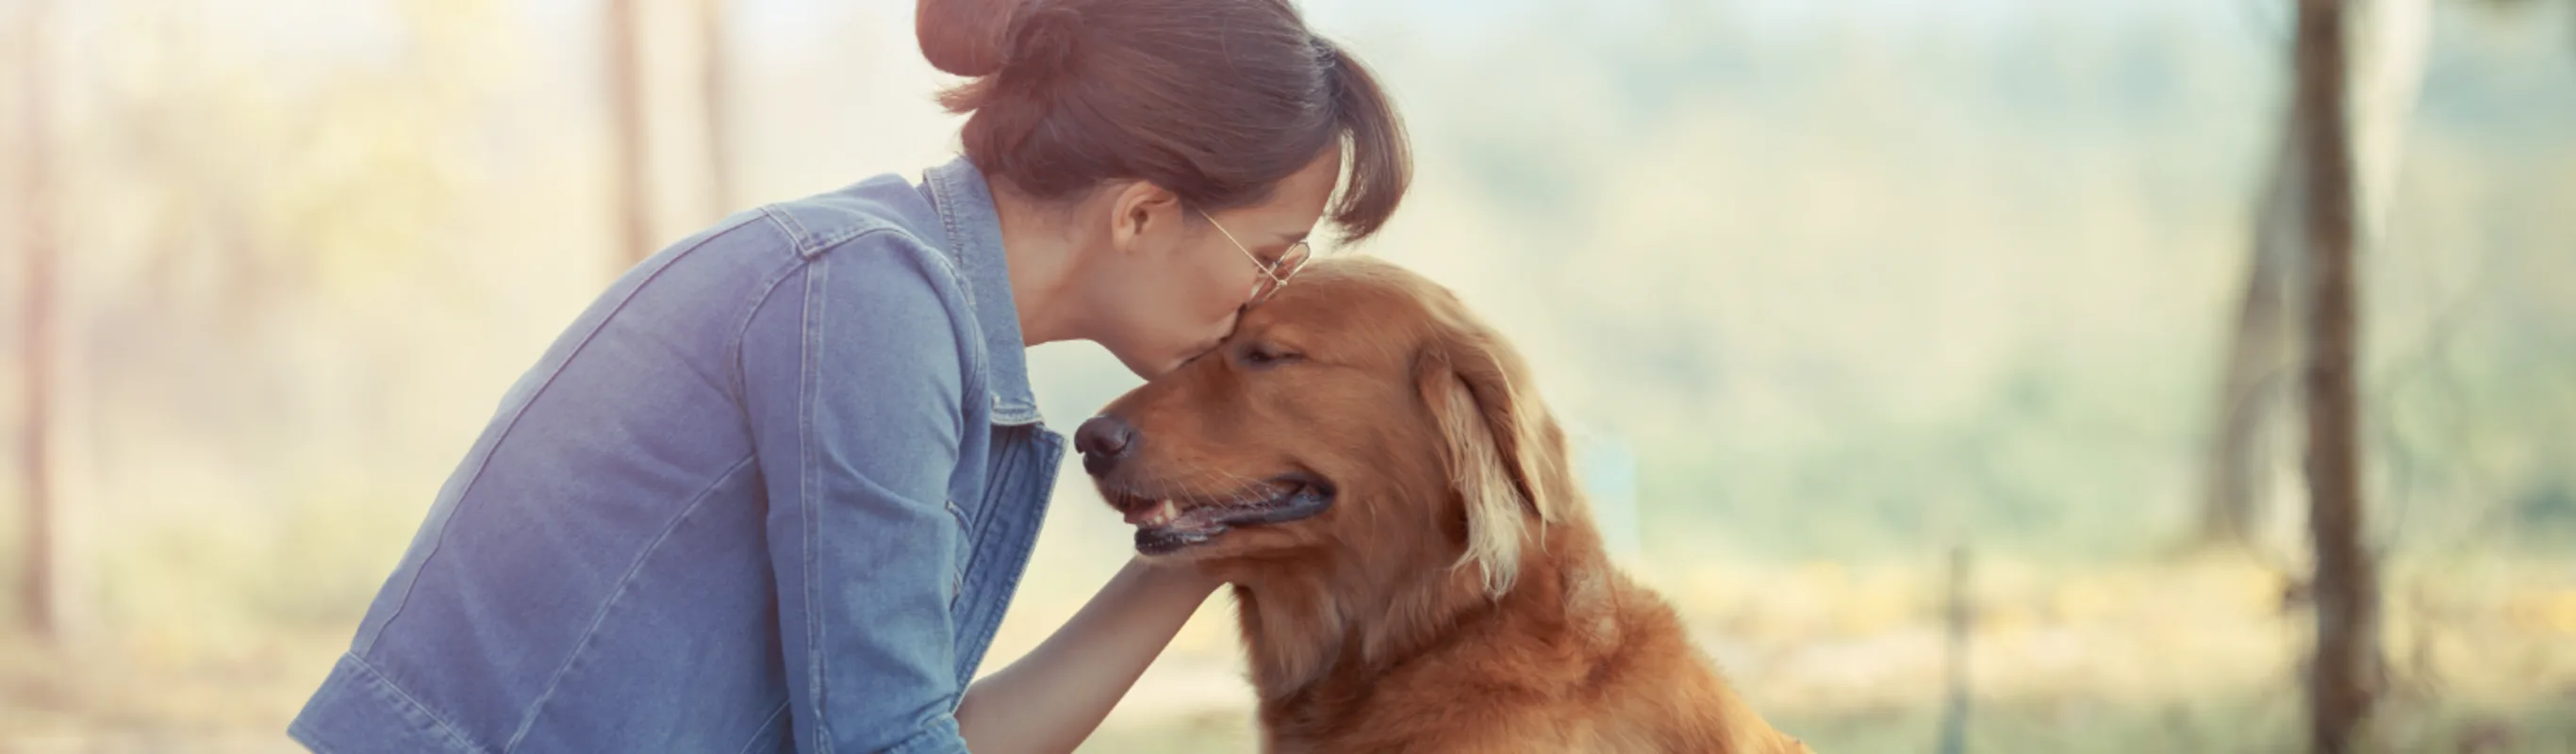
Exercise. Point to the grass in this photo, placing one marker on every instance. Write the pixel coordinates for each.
(2194, 655)
(212, 643)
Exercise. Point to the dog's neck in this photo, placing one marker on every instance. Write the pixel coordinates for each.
(1298, 629)
(1369, 611)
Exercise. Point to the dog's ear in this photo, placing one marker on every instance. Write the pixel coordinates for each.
(1500, 447)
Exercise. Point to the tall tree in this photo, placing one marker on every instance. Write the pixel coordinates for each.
(715, 71)
(38, 599)
(2383, 76)
(2346, 668)
(628, 175)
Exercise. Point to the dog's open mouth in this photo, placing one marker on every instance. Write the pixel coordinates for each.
(1171, 523)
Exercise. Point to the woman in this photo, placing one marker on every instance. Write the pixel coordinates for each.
(774, 489)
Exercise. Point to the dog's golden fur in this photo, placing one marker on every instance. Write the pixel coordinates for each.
(1455, 596)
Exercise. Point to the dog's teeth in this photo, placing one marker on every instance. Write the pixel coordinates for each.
(1165, 514)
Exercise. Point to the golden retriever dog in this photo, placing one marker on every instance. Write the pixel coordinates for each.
(1412, 566)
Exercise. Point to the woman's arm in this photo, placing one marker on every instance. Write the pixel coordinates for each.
(1051, 699)
(856, 436)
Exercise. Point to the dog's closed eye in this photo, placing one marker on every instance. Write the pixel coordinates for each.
(1267, 355)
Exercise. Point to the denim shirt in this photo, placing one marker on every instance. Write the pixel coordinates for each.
(772, 491)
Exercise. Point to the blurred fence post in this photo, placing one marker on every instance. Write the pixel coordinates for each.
(1960, 617)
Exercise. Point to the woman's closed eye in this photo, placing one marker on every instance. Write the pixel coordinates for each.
(1270, 258)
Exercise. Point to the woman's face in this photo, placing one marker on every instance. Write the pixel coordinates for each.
(1172, 284)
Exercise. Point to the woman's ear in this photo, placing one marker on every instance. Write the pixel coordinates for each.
(1140, 213)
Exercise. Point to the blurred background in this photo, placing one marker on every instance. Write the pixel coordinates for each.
(1936, 359)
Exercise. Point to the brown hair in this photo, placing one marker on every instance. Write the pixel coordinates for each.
(1213, 100)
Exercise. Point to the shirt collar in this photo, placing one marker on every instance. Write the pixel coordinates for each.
(974, 227)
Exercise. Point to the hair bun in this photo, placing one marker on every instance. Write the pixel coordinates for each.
(1043, 43)
(963, 37)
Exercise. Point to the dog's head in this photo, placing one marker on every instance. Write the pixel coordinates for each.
(1363, 410)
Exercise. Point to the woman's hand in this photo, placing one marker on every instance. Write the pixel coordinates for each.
(1051, 699)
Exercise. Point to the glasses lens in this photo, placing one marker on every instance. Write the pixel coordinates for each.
(1292, 260)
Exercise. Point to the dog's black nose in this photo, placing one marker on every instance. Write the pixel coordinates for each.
(1102, 441)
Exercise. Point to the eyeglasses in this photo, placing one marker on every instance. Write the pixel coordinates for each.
(1274, 275)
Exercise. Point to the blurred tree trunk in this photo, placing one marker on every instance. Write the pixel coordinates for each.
(627, 170)
(2260, 348)
(2344, 674)
(38, 599)
(2391, 42)
(716, 94)
(2382, 79)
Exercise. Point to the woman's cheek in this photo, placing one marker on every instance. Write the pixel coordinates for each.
(1231, 298)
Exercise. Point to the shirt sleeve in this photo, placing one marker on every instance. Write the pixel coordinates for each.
(853, 373)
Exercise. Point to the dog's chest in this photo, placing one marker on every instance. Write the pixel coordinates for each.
(1406, 712)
